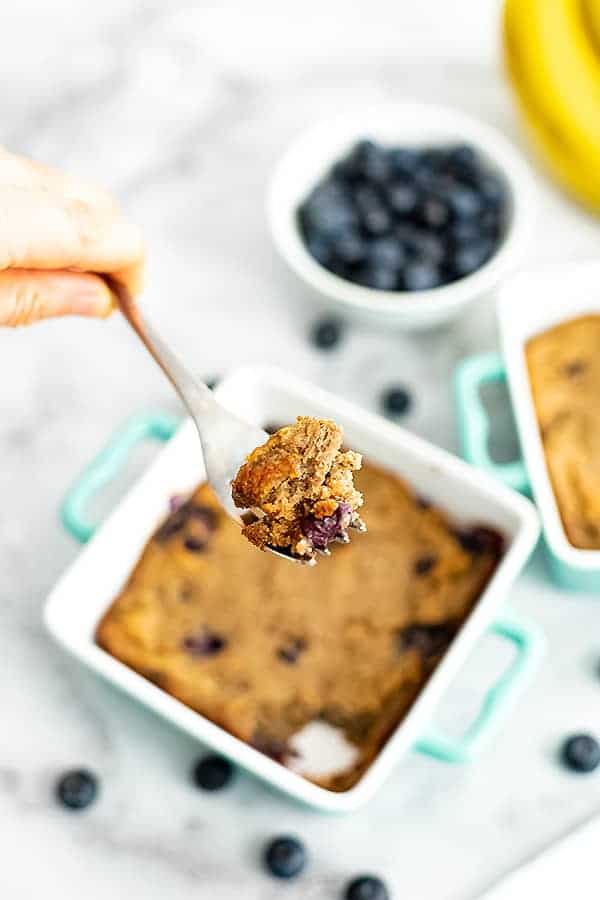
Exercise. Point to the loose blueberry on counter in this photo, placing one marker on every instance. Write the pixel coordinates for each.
(77, 789)
(396, 401)
(211, 773)
(366, 887)
(326, 333)
(285, 857)
(581, 753)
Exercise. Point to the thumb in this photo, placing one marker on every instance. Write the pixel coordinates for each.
(28, 295)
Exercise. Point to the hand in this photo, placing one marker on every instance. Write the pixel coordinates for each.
(58, 236)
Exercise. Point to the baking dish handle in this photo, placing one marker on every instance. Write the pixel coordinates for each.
(107, 465)
(528, 643)
(473, 420)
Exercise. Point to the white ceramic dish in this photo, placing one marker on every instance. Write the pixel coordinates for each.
(270, 395)
(310, 157)
(528, 304)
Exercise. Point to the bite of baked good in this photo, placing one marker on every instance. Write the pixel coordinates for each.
(300, 489)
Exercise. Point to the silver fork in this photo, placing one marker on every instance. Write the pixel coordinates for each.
(226, 440)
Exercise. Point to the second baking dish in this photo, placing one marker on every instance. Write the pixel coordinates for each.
(530, 304)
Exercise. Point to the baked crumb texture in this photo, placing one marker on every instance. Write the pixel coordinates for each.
(299, 486)
(564, 372)
(266, 650)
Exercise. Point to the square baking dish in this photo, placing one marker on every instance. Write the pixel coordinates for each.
(263, 395)
(528, 304)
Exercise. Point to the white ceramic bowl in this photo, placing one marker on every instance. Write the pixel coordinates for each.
(263, 395)
(413, 124)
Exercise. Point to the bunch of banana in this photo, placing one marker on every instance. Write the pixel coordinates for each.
(552, 50)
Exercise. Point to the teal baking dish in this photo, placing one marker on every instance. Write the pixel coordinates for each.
(528, 304)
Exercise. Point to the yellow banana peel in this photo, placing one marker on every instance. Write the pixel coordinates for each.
(552, 53)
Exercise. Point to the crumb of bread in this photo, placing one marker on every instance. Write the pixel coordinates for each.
(300, 487)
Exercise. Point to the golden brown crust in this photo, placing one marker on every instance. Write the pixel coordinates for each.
(564, 371)
(301, 471)
(262, 648)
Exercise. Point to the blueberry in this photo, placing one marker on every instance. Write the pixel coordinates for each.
(424, 564)
(77, 789)
(421, 276)
(492, 190)
(490, 224)
(462, 157)
(338, 267)
(326, 333)
(366, 887)
(376, 220)
(408, 235)
(326, 212)
(434, 211)
(365, 197)
(396, 401)
(463, 232)
(347, 169)
(581, 753)
(211, 773)
(428, 246)
(285, 857)
(480, 539)
(420, 243)
(349, 248)
(204, 644)
(464, 202)
(471, 257)
(290, 653)
(319, 249)
(372, 161)
(433, 158)
(428, 640)
(402, 198)
(387, 252)
(404, 160)
(381, 278)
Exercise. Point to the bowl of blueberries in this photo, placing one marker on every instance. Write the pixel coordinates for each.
(401, 216)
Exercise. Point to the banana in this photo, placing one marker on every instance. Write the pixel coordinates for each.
(591, 16)
(552, 53)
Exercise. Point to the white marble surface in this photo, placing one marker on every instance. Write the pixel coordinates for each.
(182, 109)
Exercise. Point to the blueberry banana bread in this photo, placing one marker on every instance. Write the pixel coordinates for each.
(300, 486)
(276, 654)
(564, 371)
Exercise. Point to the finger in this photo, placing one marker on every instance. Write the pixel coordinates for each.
(18, 171)
(41, 231)
(28, 185)
(28, 296)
